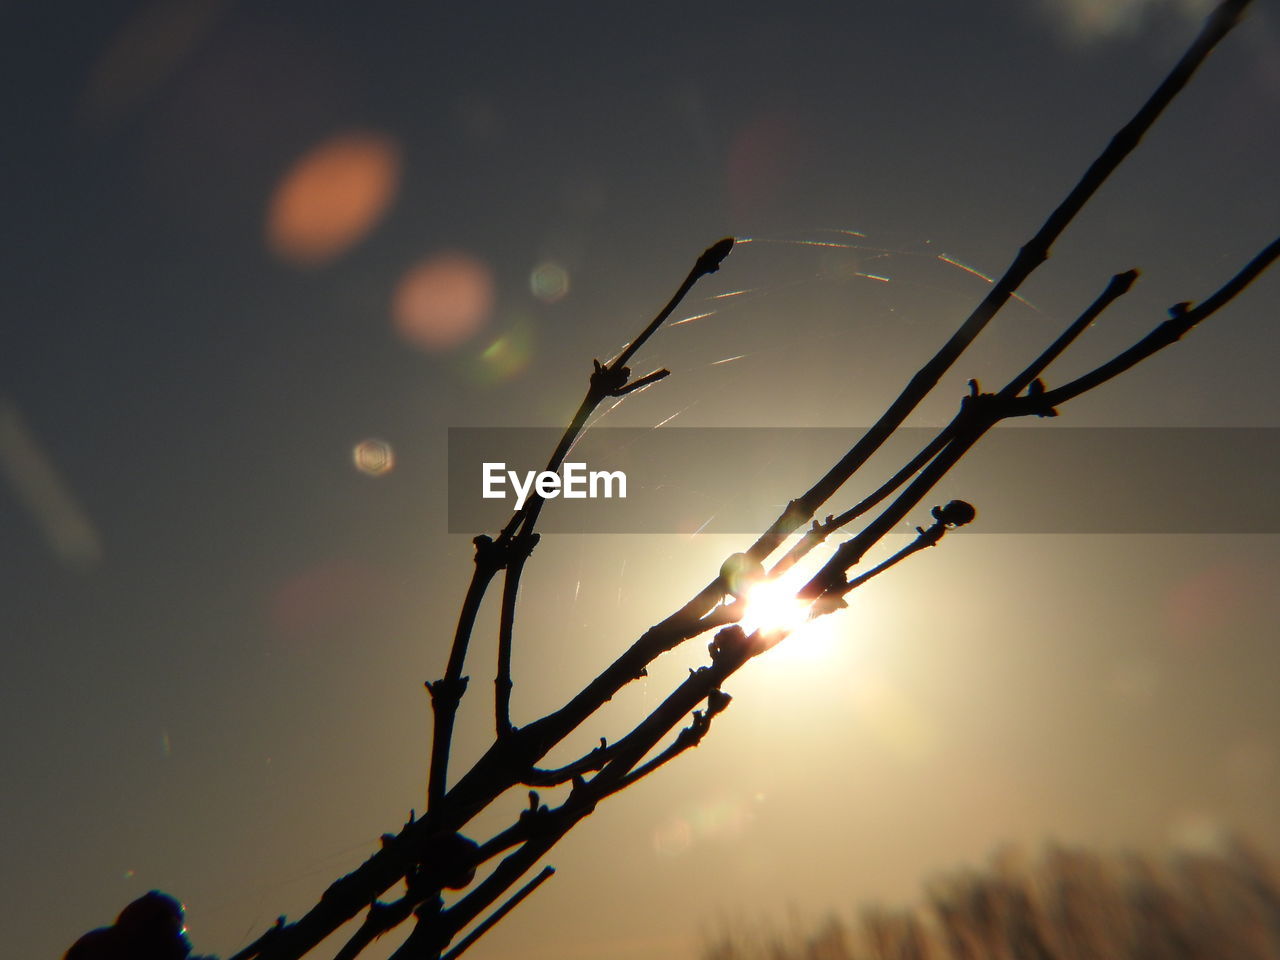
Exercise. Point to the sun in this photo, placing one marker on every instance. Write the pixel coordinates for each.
(773, 607)
(840, 640)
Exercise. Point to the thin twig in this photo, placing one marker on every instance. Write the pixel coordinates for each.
(955, 514)
(447, 692)
(380, 918)
(433, 931)
(506, 626)
(1119, 285)
(675, 629)
(255, 948)
(492, 556)
(546, 827)
(1034, 253)
(510, 757)
(686, 739)
(802, 509)
(708, 263)
(588, 763)
(545, 874)
(1180, 321)
(819, 531)
(983, 411)
(612, 379)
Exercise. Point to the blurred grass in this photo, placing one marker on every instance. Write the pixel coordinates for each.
(1068, 904)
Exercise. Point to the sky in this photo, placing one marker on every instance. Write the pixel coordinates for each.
(259, 259)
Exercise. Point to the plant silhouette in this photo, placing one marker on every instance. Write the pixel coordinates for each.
(430, 854)
(1068, 905)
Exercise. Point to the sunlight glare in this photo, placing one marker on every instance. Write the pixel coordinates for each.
(772, 606)
(774, 609)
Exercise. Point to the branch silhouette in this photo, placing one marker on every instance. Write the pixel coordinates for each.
(430, 855)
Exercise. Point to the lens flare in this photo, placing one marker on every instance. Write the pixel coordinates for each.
(443, 301)
(506, 356)
(327, 601)
(144, 54)
(332, 197)
(38, 486)
(549, 282)
(373, 458)
(721, 818)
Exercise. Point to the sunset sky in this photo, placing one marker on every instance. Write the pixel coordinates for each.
(261, 257)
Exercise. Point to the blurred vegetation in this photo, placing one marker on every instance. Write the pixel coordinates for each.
(1067, 905)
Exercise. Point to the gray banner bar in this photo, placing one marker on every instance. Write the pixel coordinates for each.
(1047, 479)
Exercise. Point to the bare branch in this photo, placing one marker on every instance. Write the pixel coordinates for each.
(820, 530)
(957, 513)
(613, 380)
(545, 827)
(492, 556)
(255, 949)
(429, 847)
(732, 647)
(1119, 285)
(1181, 320)
(506, 628)
(708, 263)
(380, 918)
(687, 738)
(982, 411)
(447, 692)
(978, 413)
(545, 874)
(1034, 253)
(435, 929)
(592, 761)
